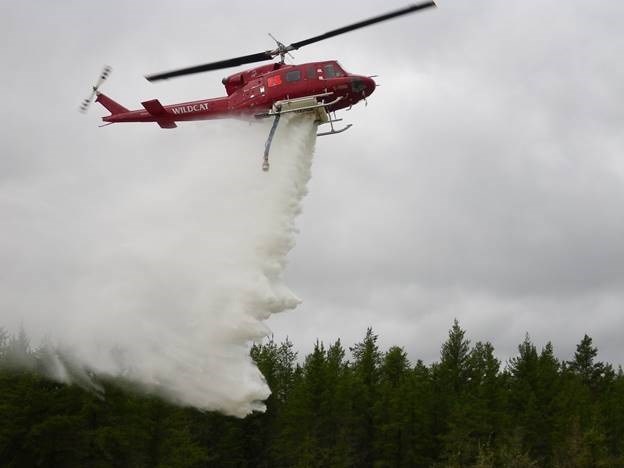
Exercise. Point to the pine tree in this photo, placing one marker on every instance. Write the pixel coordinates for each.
(390, 410)
(276, 362)
(547, 392)
(454, 359)
(365, 392)
(524, 376)
(585, 420)
(4, 339)
(451, 378)
(486, 401)
(420, 417)
(612, 406)
(338, 407)
(595, 375)
(17, 353)
(315, 386)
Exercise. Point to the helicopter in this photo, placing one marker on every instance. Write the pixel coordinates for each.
(266, 91)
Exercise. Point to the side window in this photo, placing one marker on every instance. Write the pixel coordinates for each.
(293, 75)
(311, 73)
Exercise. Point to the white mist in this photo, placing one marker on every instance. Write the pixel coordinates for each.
(164, 281)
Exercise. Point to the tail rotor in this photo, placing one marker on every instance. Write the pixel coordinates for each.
(103, 77)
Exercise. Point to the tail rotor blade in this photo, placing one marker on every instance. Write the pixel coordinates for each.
(85, 105)
(103, 77)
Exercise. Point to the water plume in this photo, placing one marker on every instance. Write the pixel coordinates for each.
(169, 284)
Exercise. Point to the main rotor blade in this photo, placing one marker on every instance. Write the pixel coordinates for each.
(233, 62)
(361, 24)
(281, 50)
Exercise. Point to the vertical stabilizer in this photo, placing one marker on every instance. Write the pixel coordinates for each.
(112, 106)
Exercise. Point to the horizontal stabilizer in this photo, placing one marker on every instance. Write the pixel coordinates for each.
(166, 123)
(156, 110)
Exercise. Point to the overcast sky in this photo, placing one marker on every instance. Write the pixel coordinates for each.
(484, 181)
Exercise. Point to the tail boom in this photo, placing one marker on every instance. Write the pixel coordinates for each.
(166, 116)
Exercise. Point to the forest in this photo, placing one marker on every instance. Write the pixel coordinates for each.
(358, 406)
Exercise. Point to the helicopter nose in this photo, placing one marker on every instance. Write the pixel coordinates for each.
(370, 85)
(363, 85)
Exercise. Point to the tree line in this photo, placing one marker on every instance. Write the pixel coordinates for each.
(337, 407)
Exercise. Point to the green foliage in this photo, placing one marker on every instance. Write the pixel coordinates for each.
(377, 410)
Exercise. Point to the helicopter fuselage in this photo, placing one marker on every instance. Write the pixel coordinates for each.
(254, 92)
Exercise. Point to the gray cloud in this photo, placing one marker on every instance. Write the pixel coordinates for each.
(483, 181)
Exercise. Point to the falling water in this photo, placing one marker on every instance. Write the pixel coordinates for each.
(169, 284)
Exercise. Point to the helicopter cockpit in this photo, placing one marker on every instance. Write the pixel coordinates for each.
(333, 70)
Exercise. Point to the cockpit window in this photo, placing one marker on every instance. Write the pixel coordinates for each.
(329, 71)
(332, 71)
(293, 75)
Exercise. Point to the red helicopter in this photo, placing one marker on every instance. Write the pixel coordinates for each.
(271, 90)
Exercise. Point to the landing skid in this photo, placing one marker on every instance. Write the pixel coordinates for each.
(333, 131)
